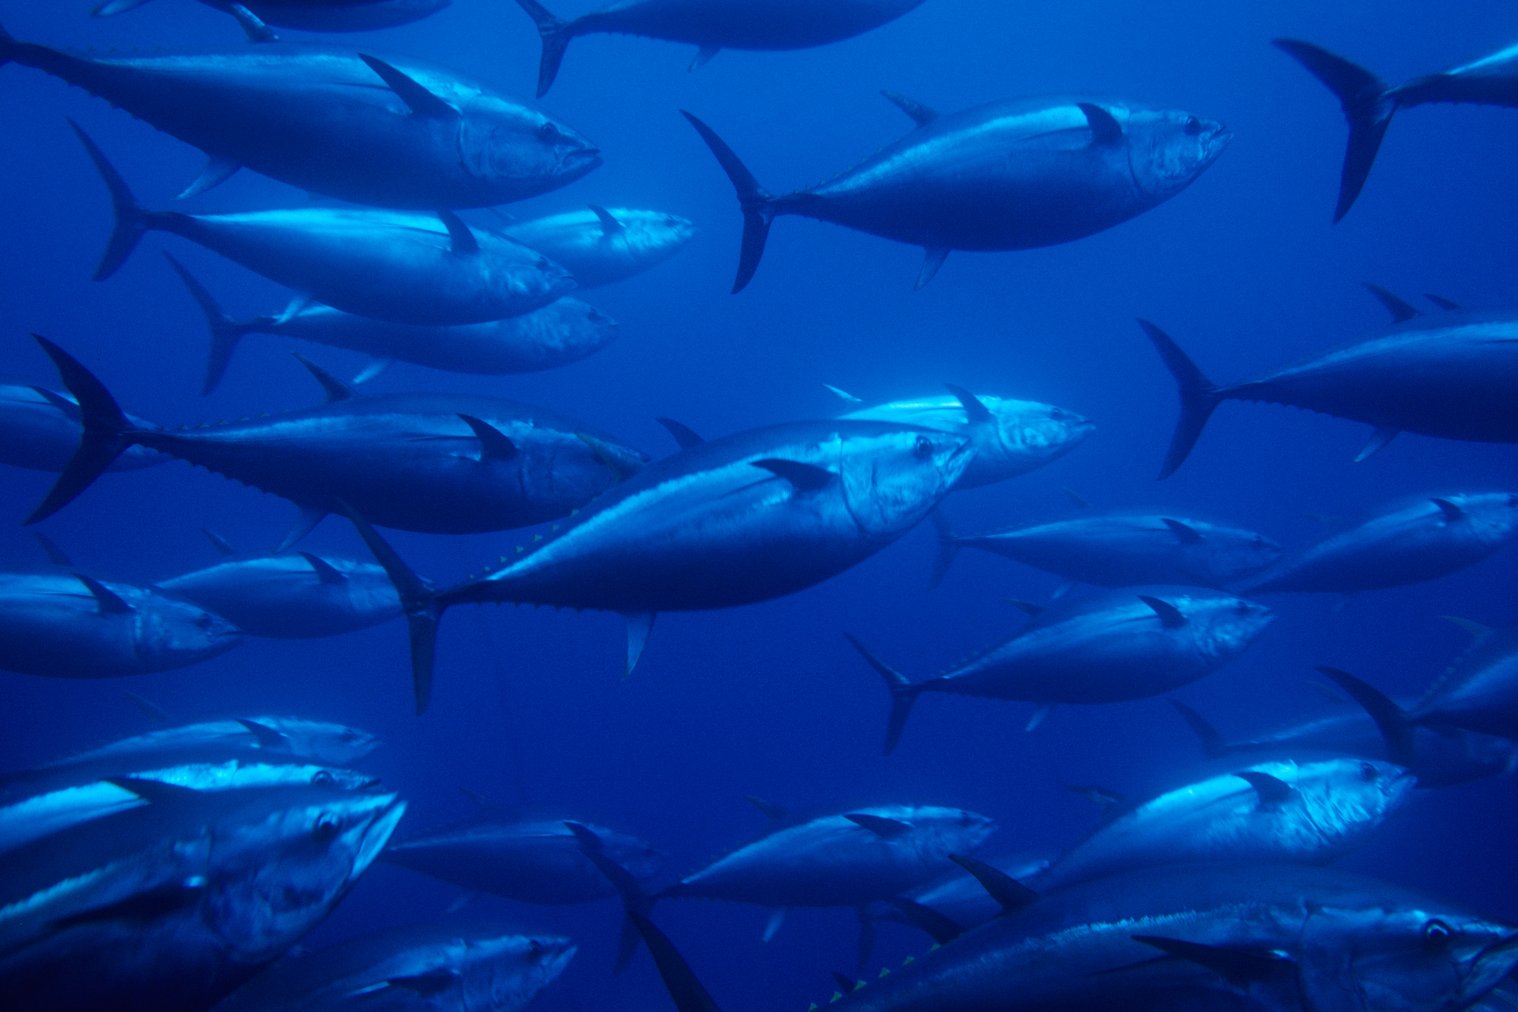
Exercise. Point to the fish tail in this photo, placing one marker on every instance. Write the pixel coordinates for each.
(107, 432)
(1199, 397)
(1390, 719)
(131, 219)
(1368, 106)
(555, 33)
(948, 546)
(903, 693)
(225, 331)
(422, 605)
(758, 204)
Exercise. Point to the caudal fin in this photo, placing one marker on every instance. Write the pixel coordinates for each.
(556, 34)
(903, 693)
(420, 603)
(107, 432)
(1368, 106)
(225, 331)
(131, 220)
(757, 204)
(1199, 397)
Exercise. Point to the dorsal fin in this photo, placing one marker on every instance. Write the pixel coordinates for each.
(1400, 309)
(683, 434)
(610, 226)
(459, 235)
(975, 409)
(110, 602)
(336, 389)
(1390, 719)
(1447, 304)
(1271, 790)
(1009, 893)
(418, 99)
(803, 477)
(921, 115)
(1105, 129)
(1213, 742)
(494, 444)
(54, 554)
(1169, 615)
(325, 571)
(1187, 534)
(222, 545)
(639, 625)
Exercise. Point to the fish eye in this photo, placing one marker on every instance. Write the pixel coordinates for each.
(1437, 934)
(547, 132)
(1369, 773)
(1243, 607)
(1193, 126)
(326, 827)
(966, 819)
(542, 263)
(922, 448)
(323, 778)
(534, 949)
(1057, 414)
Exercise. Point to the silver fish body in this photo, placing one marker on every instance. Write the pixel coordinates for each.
(40, 431)
(605, 245)
(316, 15)
(291, 596)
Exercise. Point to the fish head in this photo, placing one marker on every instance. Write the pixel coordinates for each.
(1029, 434)
(1238, 555)
(501, 142)
(1224, 624)
(1168, 149)
(581, 330)
(530, 276)
(894, 476)
(508, 971)
(180, 632)
(1493, 516)
(314, 739)
(1402, 955)
(639, 858)
(281, 863)
(655, 235)
(940, 831)
(1351, 796)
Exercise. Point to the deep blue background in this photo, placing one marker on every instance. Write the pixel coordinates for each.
(530, 708)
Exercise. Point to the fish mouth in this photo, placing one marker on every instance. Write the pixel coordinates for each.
(586, 158)
(377, 834)
(1491, 966)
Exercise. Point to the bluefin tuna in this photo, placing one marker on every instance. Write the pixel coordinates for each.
(425, 462)
(532, 860)
(474, 966)
(1429, 539)
(714, 25)
(1369, 103)
(312, 15)
(1009, 175)
(335, 122)
(1113, 646)
(749, 517)
(1123, 549)
(74, 626)
(39, 430)
(264, 735)
(1453, 375)
(1479, 692)
(173, 904)
(602, 245)
(1011, 437)
(558, 334)
(405, 268)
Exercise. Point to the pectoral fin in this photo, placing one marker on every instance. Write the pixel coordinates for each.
(418, 99)
(217, 171)
(803, 477)
(932, 260)
(109, 602)
(494, 444)
(639, 625)
(1105, 129)
(886, 829)
(1169, 615)
(703, 57)
(921, 114)
(463, 240)
(324, 570)
(1377, 443)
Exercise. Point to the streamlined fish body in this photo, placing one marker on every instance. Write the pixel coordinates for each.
(603, 245)
(291, 596)
(39, 430)
(315, 15)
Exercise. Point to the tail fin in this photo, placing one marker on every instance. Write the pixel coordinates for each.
(418, 600)
(131, 220)
(107, 432)
(1199, 397)
(1391, 720)
(225, 331)
(1368, 107)
(757, 204)
(1213, 742)
(903, 693)
(948, 546)
(555, 34)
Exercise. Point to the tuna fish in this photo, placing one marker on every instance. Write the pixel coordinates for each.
(173, 904)
(1005, 176)
(533, 861)
(558, 334)
(601, 245)
(1011, 437)
(1123, 549)
(74, 626)
(335, 122)
(311, 15)
(39, 430)
(1479, 692)
(959, 898)
(1313, 812)
(404, 268)
(1369, 103)
(1429, 539)
(714, 25)
(749, 517)
(1452, 375)
(470, 967)
(265, 736)
(1113, 646)
(425, 462)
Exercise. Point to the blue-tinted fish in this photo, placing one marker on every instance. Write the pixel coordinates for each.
(313, 15)
(468, 967)
(264, 735)
(534, 861)
(558, 334)
(173, 904)
(752, 516)
(714, 25)
(335, 122)
(405, 268)
(1452, 375)
(1369, 103)
(39, 430)
(1123, 549)
(1009, 175)
(1011, 437)
(602, 245)
(1479, 692)
(1113, 646)
(443, 463)
(960, 897)
(1431, 538)
(73, 626)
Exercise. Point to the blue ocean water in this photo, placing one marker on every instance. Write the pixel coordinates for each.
(530, 705)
